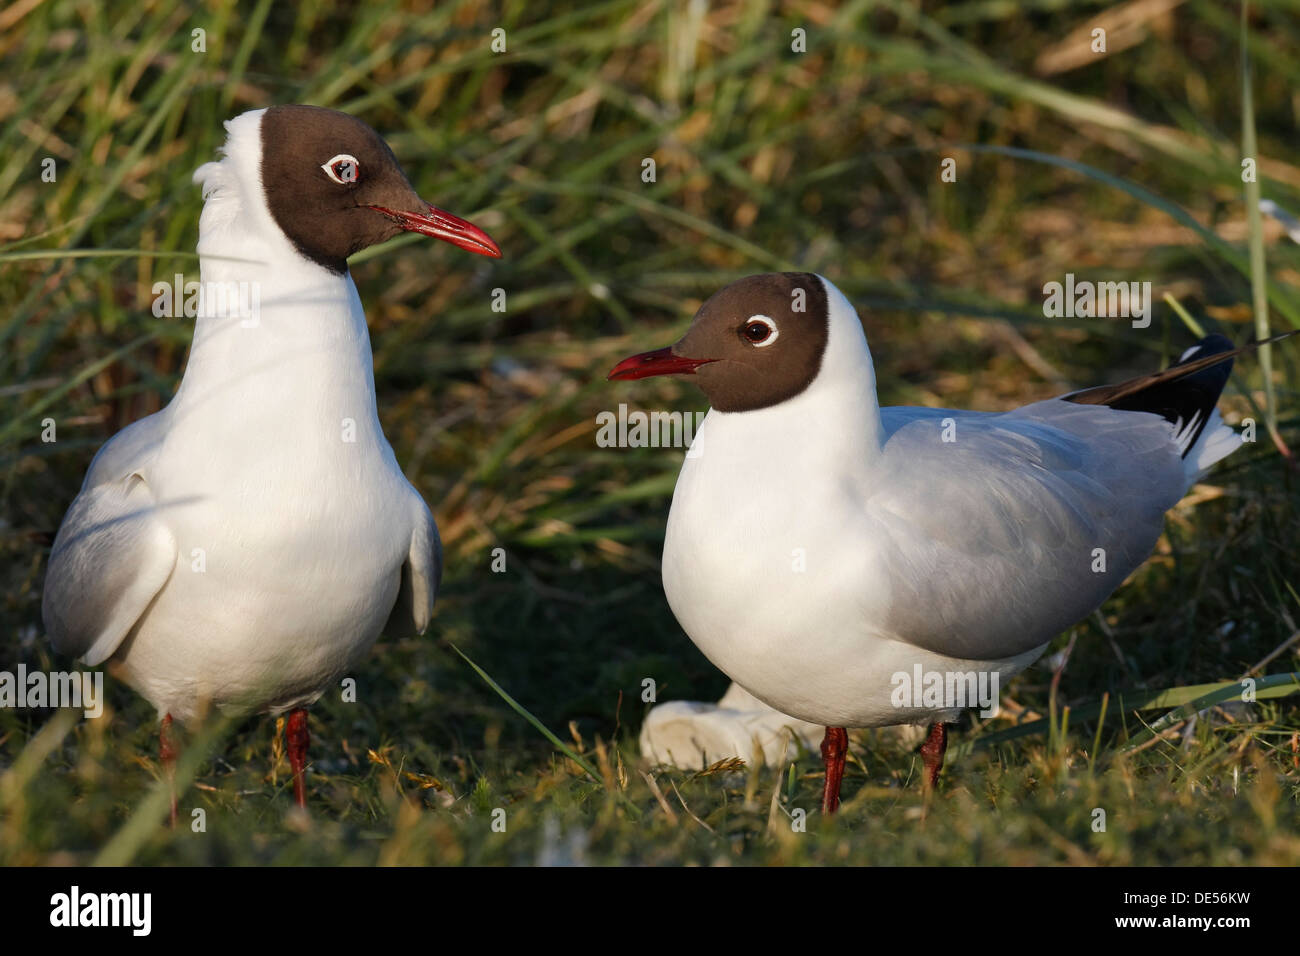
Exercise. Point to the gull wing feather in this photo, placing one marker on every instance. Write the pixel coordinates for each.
(421, 575)
(113, 553)
(995, 532)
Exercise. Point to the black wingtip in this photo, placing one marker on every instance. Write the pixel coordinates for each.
(1213, 376)
(1212, 344)
(1183, 394)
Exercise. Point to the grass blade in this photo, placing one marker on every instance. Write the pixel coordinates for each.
(523, 712)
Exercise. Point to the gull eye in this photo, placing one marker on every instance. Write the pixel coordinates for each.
(343, 169)
(759, 331)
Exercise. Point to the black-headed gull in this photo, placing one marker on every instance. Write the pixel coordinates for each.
(823, 551)
(244, 547)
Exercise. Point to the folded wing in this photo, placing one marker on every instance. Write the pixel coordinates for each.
(421, 575)
(1019, 524)
(113, 552)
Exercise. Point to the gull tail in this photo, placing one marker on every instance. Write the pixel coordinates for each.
(1185, 395)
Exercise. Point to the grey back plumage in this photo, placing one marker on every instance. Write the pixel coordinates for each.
(1069, 500)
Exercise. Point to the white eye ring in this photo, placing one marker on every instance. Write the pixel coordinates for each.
(350, 173)
(762, 320)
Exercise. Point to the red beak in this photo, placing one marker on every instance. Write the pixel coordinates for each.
(659, 362)
(443, 225)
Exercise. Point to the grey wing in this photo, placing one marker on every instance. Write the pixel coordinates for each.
(421, 575)
(111, 557)
(1019, 525)
(127, 452)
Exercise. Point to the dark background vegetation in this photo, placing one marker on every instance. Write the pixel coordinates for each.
(1123, 166)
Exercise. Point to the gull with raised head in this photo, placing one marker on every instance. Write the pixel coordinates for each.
(242, 548)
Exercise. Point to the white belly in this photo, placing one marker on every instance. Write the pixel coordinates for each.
(278, 591)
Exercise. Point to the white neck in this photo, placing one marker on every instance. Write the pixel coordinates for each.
(301, 359)
(305, 338)
(829, 430)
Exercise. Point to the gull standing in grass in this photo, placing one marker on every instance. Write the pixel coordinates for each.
(820, 546)
(244, 547)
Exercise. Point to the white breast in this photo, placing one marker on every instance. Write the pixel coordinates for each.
(291, 516)
(773, 569)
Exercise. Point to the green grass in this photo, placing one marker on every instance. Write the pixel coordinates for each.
(1127, 167)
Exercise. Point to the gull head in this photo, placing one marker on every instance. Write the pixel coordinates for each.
(324, 181)
(758, 342)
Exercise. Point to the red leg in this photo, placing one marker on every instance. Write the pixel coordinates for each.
(167, 754)
(835, 746)
(297, 738)
(932, 752)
